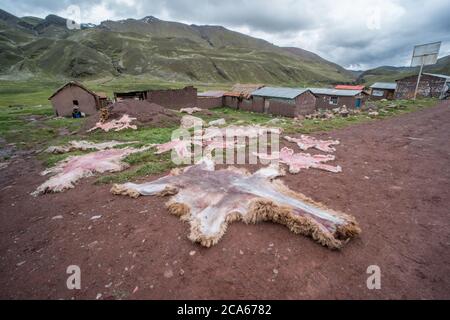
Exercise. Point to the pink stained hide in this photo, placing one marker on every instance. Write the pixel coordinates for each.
(181, 147)
(67, 172)
(306, 142)
(85, 145)
(118, 125)
(298, 161)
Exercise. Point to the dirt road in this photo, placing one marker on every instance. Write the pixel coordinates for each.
(395, 181)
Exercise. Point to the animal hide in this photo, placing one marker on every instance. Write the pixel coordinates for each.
(190, 110)
(72, 169)
(118, 125)
(188, 122)
(85, 145)
(209, 200)
(298, 161)
(237, 131)
(181, 147)
(306, 142)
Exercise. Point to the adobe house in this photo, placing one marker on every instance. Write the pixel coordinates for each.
(74, 94)
(168, 98)
(287, 102)
(430, 86)
(240, 96)
(332, 98)
(382, 90)
(210, 99)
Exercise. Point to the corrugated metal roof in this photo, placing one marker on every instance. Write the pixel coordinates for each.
(211, 94)
(349, 87)
(334, 92)
(384, 85)
(284, 93)
(439, 75)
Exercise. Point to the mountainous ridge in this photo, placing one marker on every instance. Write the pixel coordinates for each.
(155, 48)
(390, 73)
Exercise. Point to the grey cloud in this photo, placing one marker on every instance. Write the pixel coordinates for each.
(326, 27)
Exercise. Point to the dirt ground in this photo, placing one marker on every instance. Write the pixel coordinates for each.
(395, 181)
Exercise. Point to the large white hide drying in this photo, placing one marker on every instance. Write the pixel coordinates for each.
(306, 142)
(85, 145)
(190, 110)
(210, 199)
(298, 161)
(72, 169)
(117, 125)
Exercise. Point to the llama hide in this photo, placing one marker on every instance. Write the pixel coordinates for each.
(190, 110)
(306, 142)
(208, 200)
(85, 145)
(118, 125)
(72, 169)
(298, 161)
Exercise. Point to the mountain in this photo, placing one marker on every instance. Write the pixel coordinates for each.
(154, 48)
(390, 74)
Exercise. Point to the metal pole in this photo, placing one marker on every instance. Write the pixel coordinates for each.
(418, 79)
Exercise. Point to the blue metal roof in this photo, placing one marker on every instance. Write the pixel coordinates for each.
(384, 85)
(335, 92)
(284, 93)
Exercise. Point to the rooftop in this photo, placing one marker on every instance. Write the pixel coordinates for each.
(349, 87)
(439, 75)
(384, 85)
(335, 92)
(284, 93)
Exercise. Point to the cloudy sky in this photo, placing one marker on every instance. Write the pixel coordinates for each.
(355, 34)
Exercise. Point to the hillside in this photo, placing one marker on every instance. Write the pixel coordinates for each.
(389, 74)
(156, 49)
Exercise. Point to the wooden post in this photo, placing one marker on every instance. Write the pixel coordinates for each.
(418, 79)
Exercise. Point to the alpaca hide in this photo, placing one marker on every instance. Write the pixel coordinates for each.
(306, 142)
(209, 200)
(121, 124)
(72, 169)
(85, 145)
(298, 161)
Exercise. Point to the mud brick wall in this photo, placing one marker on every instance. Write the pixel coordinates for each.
(247, 105)
(231, 102)
(306, 103)
(282, 107)
(387, 94)
(429, 87)
(258, 104)
(174, 98)
(209, 102)
(323, 102)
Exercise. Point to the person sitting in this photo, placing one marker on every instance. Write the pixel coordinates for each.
(76, 113)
